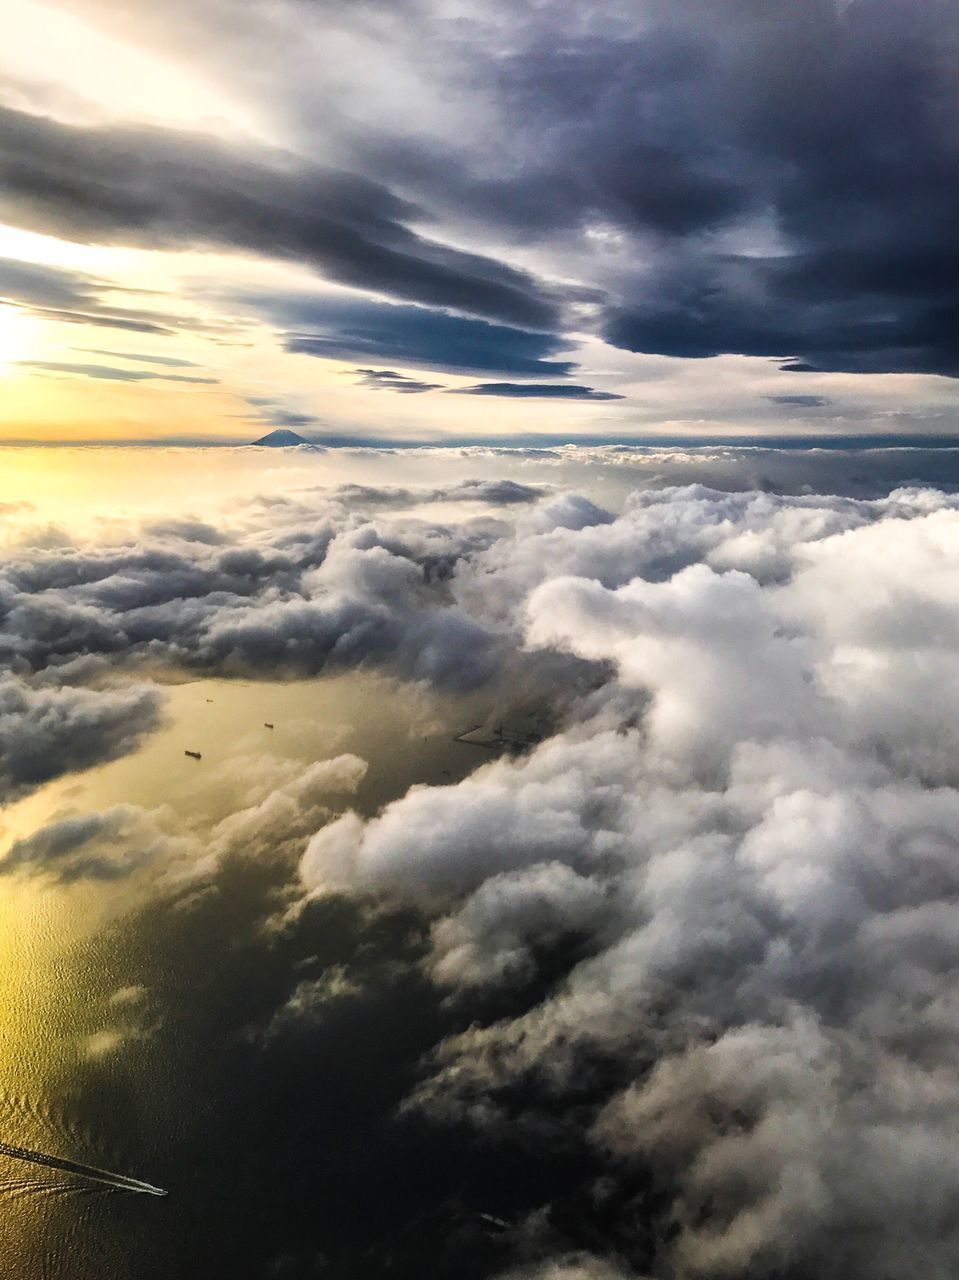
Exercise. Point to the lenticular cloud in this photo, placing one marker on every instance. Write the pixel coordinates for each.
(724, 895)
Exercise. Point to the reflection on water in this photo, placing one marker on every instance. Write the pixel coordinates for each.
(147, 978)
(130, 1006)
(403, 733)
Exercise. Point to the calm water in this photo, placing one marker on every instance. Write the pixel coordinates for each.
(141, 1003)
(136, 1025)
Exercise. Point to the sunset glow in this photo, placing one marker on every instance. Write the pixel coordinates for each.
(479, 640)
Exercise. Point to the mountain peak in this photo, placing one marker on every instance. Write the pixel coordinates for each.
(282, 438)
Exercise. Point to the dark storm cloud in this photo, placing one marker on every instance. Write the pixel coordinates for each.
(773, 180)
(612, 123)
(160, 189)
(536, 391)
(107, 373)
(390, 380)
(639, 153)
(741, 307)
(841, 123)
(353, 329)
(781, 178)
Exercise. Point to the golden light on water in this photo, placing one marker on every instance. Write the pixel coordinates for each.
(30, 921)
(98, 966)
(43, 1005)
(78, 1021)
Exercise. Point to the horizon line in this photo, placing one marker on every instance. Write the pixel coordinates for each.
(528, 440)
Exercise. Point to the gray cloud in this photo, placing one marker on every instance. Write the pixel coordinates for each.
(573, 1267)
(107, 373)
(800, 402)
(320, 588)
(353, 329)
(537, 391)
(390, 380)
(718, 900)
(169, 362)
(46, 732)
(118, 842)
(678, 158)
(162, 189)
(496, 492)
(95, 846)
(71, 296)
(274, 414)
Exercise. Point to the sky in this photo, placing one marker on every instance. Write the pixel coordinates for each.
(428, 220)
(531, 855)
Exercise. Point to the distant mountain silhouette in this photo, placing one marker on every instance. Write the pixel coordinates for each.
(281, 439)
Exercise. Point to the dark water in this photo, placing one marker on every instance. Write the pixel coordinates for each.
(143, 1032)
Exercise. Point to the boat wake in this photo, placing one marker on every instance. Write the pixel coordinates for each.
(90, 1172)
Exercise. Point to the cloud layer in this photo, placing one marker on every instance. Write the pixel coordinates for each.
(511, 193)
(46, 732)
(702, 931)
(721, 897)
(765, 180)
(694, 938)
(163, 189)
